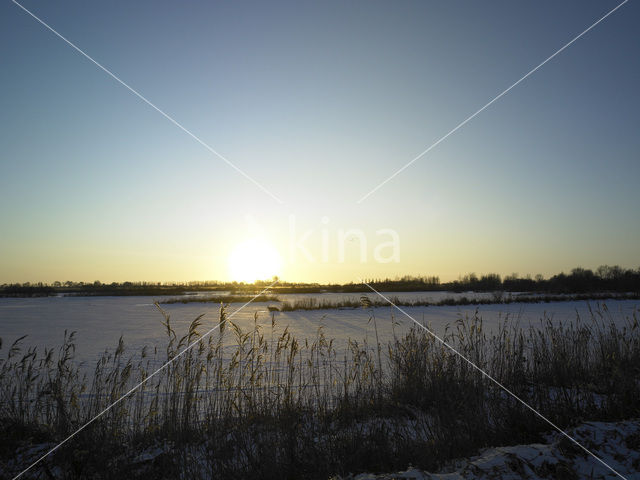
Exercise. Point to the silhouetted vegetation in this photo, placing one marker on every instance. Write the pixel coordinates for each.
(222, 299)
(26, 290)
(274, 406)
(579, 280)
(376, 301)
(313, 303)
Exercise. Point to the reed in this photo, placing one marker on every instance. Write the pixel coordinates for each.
(263, 297)
(255, 401)
(499, 297)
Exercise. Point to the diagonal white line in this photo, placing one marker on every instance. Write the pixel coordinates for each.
(161, 112)
(485, 374)
(504, 92)
(138, 385)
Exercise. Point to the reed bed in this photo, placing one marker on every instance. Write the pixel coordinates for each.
(263, 297)
(277, 406)
(500, 298)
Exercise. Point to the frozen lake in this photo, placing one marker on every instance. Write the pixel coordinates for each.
(100, 321)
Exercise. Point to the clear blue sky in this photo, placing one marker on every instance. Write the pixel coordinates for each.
(319, 102)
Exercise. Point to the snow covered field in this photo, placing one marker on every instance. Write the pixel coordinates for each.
(100, 321)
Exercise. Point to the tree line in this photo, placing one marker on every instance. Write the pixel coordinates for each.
(580, 280)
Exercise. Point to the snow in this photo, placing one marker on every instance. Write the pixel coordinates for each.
(149, 455)
(616, 443)
(100, 321)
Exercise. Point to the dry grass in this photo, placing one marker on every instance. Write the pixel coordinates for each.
(276, 406)
(313, 303)
(221, 299)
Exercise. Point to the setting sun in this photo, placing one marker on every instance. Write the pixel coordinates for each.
(319, 240)
(254, 259)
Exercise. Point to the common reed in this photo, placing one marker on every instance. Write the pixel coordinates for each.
(499, 297)
(270, 405)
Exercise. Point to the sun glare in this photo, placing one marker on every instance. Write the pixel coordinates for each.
(253, 260)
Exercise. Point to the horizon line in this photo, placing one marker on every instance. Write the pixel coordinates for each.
(396, 278)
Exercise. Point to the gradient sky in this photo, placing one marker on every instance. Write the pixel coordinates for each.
(319, 102)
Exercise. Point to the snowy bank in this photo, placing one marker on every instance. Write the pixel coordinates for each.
(617, 444)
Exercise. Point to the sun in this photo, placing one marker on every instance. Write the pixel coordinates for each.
(254, 259)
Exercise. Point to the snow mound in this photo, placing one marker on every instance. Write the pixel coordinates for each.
(617, 444)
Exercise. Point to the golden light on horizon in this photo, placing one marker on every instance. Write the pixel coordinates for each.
(254, 259)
